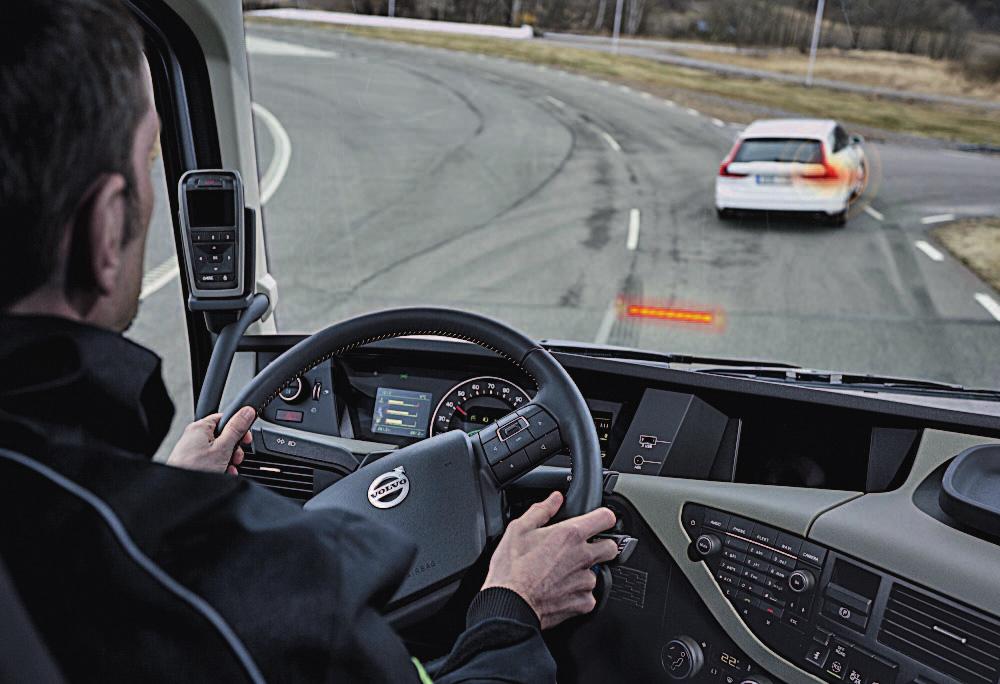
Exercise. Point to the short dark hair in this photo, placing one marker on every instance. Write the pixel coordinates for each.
(71, 99)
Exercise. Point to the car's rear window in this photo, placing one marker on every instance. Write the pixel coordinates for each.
(780, 150)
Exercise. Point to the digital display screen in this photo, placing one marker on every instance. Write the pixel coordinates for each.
(602, 421)
(401, 412)
(211, 208)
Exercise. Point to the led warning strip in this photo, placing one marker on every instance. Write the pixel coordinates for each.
(669, 314)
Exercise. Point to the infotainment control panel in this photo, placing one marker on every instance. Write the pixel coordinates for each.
(837, 618)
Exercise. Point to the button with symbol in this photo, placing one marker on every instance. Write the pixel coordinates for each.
(541, 449)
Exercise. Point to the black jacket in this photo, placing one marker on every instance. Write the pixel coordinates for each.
(302, 590)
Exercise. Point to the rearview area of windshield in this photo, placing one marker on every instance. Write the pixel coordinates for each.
(639, 192)
(779, 150)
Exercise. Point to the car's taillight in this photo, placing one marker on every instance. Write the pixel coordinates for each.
(724, 171)
(829, 170)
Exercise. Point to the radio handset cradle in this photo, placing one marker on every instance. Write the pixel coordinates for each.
(219, 244)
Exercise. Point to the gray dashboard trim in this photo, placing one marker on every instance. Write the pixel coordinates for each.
(888, 531)
(659, 501)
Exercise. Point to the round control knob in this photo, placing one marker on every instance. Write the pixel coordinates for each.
(682, 657)
(292, 392)
(756, 679)
(801, 581)
(707, 545)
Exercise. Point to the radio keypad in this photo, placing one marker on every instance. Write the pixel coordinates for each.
(214, 256)
(753, 571)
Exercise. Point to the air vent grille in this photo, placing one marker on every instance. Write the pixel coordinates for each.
(956, 642)
(283, 475)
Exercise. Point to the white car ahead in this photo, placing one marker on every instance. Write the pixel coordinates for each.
(801, 165)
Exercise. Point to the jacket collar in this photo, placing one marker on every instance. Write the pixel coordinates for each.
(73, 383)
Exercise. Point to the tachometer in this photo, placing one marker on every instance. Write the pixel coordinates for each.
(473, 404)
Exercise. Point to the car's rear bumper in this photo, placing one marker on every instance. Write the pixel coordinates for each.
(739, 194)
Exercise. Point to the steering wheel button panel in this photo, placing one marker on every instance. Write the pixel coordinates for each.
(541, 423)
(496, 450)
(512, 466)
(541, 449)
(512, 428)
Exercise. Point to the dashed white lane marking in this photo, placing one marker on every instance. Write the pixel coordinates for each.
(157, 278)
(608, 322)
(989, 304)
(632, 240)
(625, 89)
(670, 103)
(692, 112)
(719, 122)
(276, 48)
(603, 82)
(610, 141)
(929, 249)
(937, 218)
(282, 153)
(556, 101)
(646, 96)
(874, 213)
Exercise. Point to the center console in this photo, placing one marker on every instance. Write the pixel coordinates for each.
(836, 618)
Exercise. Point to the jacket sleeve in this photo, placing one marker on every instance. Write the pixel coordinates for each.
(304, 591)
(502, 643)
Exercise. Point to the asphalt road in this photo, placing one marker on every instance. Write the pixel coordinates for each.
(424, 176)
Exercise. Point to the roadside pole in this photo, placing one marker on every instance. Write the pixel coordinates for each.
(817, 25)
(618, 26)
(392, 8)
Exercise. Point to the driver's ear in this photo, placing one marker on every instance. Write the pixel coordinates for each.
(95, 259)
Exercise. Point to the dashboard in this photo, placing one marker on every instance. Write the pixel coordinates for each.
(787, 533)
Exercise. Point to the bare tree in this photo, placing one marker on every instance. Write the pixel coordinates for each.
(602, 6)
(634, 14)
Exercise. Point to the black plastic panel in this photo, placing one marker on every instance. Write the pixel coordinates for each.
(856, 624)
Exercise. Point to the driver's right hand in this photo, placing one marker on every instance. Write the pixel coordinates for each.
(550, 566)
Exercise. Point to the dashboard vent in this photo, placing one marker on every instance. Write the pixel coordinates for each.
(956, 642)
(282, 475)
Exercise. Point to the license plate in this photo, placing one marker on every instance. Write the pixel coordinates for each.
(773, 180)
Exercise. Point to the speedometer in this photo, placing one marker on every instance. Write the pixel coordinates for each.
(473, 404)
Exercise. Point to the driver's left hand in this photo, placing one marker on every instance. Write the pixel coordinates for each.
(199, 448)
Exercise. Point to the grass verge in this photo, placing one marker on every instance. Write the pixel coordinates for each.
(976, 243)
(713, 94)
(877, 68)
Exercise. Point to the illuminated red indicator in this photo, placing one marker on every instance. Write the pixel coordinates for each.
(670, 314)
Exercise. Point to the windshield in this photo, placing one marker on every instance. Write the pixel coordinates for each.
(521, 161)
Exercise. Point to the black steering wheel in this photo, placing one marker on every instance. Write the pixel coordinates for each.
(444, 492)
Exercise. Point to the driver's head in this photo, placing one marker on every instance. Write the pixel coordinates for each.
(78, 131)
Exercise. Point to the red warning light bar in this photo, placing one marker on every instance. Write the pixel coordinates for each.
(665, 313)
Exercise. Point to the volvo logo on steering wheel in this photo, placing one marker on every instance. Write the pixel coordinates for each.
(389, 489)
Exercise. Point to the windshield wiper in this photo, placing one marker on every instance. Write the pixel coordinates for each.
(612, 352)
(854, 380)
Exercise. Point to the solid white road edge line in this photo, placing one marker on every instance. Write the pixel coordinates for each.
(282, 153)
(874, 213)
(928, 249)
(989, 304)
(156, 278)
(610, 141)
(937, 218)
(632, 241)
(556, 101)
(719, 122)
(604, 331)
